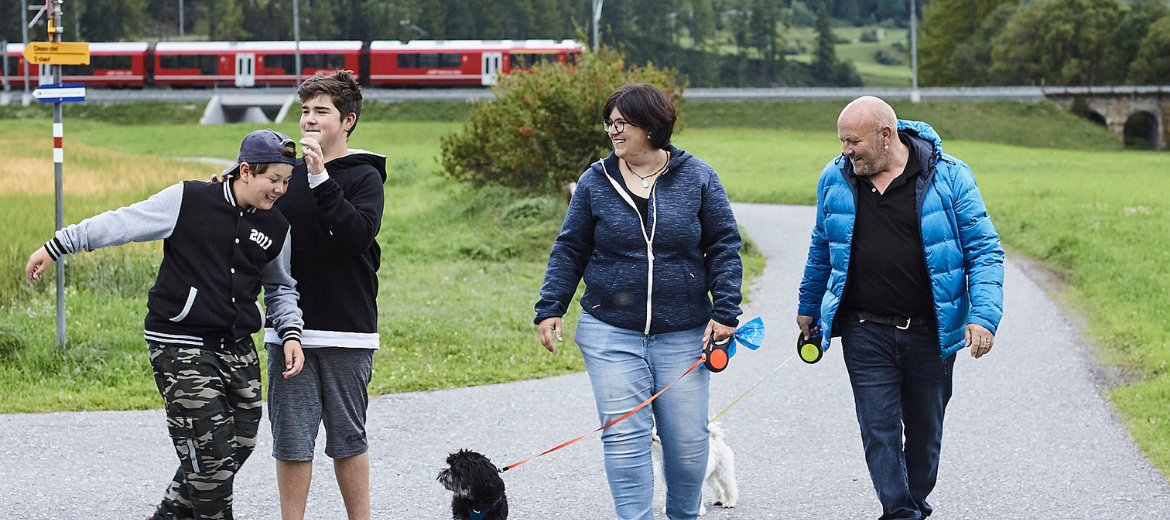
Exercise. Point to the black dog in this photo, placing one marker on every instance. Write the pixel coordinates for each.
(478, 488)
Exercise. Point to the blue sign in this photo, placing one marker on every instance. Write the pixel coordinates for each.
(60, 93)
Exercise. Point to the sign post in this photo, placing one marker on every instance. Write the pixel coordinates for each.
(55, 53)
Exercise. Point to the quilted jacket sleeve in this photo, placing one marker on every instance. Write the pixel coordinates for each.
(816, 271)
(982, 253)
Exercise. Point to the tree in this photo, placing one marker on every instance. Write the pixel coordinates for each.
(946, 24)
(225, 21)
(971, 62)
(762, 27)
(105, 20)
(544, 126)
(704, 70)
(1055, 42)
(1131, 30)
(827, 70)
(825, 55)
(1151, 66)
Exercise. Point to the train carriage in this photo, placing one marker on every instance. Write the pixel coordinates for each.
(248, 64)
(461, 62)
(118, 64)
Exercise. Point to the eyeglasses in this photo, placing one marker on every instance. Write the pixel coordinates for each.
(620, 124)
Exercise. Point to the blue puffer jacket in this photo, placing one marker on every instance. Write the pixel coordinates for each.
(963, 254)
(655, 276)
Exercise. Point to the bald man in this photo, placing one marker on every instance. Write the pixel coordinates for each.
(906, 267)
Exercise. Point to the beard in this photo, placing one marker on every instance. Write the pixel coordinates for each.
(871, 165)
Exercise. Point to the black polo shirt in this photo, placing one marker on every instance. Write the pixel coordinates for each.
(887, 264)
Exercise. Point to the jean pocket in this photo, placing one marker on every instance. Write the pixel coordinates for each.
(182, 431)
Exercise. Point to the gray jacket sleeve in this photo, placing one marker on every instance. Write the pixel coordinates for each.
(280, 294)
(151, 219)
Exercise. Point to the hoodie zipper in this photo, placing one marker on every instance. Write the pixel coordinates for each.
(648, 238)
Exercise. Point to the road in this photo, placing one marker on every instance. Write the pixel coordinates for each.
(1028, 434)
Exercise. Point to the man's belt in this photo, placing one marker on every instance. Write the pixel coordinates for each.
(900, 322)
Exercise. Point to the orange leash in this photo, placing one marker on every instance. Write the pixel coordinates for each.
(615, 421)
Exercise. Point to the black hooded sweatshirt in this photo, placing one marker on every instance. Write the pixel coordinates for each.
(335, 254)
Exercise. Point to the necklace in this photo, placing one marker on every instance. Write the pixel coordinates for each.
(645, 183)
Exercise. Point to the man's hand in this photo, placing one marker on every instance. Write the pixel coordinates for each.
(717, 332)
(808, 325)
(314, 159)
(979, 339)
(38, 263)
(294, 358)
(547, 328)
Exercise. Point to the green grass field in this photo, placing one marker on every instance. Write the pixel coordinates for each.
(460, 273)
(461, 269)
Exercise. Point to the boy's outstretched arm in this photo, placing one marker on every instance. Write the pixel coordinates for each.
(151, 219)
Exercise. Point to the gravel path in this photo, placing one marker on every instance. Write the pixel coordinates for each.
(1028, 433)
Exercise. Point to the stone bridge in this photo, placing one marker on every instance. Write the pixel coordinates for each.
(1135, 114)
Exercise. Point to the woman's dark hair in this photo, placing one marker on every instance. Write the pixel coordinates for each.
(647, 107)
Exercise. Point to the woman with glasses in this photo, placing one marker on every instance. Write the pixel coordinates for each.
(651, 231)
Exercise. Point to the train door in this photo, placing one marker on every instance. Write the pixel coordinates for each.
(491, 67)
(245, 70)
(45, 71)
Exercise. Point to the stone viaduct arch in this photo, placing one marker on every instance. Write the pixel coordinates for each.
(1115, 106)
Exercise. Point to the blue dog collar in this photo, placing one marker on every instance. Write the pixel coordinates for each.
(478, 515)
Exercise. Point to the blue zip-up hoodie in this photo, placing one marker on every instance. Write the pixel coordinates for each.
(688, 247)
(963, 255)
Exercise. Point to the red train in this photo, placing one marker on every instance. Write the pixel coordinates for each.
(247, 64)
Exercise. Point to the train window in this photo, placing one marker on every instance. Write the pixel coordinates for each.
(208, 64)
(97, 63)
(14, 68)
(288, 62)
(284, 62)
(429, 61)
(322, 61)
(518, 60)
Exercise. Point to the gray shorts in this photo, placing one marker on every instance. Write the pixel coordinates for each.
(331, 389)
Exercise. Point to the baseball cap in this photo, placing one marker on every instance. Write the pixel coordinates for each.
(262, 146)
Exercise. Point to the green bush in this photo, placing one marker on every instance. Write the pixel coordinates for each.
(887, 57)
(544, 127)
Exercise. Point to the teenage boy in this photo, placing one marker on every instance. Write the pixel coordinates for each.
(334, 205)
(221, 243)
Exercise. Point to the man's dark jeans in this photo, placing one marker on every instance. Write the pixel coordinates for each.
(899, 377)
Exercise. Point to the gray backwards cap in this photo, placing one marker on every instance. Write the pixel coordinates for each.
(262, 146)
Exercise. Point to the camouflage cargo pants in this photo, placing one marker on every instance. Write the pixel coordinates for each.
(213, 406)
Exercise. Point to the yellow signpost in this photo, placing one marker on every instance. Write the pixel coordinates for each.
(57, 53)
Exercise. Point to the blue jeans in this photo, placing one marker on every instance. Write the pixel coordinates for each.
(625, 368)
(899, 378)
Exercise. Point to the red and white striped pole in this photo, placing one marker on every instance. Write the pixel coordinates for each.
(58, 160)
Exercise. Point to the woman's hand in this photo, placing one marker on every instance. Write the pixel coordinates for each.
(717, 332)
(547, 328)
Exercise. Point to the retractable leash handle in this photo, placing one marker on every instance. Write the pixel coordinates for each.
(715, 354)
(809, 349)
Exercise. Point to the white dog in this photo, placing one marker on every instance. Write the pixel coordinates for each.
(720, 478)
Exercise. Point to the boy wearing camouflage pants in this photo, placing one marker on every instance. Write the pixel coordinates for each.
(222, 242)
